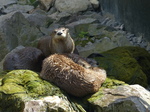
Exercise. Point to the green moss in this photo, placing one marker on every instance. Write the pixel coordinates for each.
(19, 86)
(123, 64)
(110, 82)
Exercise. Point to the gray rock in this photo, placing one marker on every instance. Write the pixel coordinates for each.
(81, 25)
(39, 19)
(95, 3)
(48, 104)
(129, 35)
(18, 31)
(139, 39)
(7, 2)
(148, 47)
(71, 6)
(16, 7)
(46, 4)
(97, 47)
(143, 44)
(129, 98)
(93, 29)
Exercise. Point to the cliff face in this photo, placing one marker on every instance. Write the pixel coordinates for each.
(134, 14)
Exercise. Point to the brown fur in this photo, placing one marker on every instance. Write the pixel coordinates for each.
(26, 58)
(59, 41)
(65, 72)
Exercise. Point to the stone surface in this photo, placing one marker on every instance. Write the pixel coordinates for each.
(23, 90)
(129, 64)
(17, 30)
(21, 8)
(71, 6)
(48, 104)
(129, 98)
(137, 21)
(7, 2)
(47, 4)
(39, 18)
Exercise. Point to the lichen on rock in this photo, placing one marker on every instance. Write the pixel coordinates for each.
(129, 64)
(20, 86)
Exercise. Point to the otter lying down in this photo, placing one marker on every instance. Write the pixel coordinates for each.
(73, 74)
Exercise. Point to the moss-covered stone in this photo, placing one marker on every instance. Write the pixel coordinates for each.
(109, 83)
(129, 64)
(19, 86)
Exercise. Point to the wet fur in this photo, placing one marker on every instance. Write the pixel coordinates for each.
(57, 43)
(26, 58)
(67, 72)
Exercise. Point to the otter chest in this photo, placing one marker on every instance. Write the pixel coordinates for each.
(59, 46)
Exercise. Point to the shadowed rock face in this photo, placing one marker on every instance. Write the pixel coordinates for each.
(134, 14)
(129, 64)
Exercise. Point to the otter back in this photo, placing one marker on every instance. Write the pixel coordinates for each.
(72, 77)
(26, 58)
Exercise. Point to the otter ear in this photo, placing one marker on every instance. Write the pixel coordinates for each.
(67, 29)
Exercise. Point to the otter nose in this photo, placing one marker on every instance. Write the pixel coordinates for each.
(59, 33)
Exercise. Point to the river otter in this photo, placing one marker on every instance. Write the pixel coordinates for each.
(59, 41)
(69, 73)
(25, 58)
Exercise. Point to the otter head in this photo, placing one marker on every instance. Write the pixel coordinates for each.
(60, 33)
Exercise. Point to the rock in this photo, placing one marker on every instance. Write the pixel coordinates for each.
(95, 3)
(128, 64)
(134, 21)
(131, 98)
(39, 18)
(46, 4)
(97, 47)
(148, 47)
(139, 39)
(143, 44)
(71, 6)
(20, 88)
(16, 30)
(48, 104)
(16, 7)
(7, 2)
(112, 39)
(80, 26)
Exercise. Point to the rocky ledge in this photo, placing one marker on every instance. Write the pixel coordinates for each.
(24, 91)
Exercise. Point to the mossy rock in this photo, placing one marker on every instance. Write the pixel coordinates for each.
(86, 102)
(19, 86)
(129, 64)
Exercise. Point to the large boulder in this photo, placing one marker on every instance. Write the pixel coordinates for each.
(71, 6)
(129, 64)
(17, 7)
(16, 30)
(129, 98)
(23, 91)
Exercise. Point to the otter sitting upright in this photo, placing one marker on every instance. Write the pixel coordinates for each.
(59, 41)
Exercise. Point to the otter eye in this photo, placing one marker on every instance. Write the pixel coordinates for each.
(55, 31)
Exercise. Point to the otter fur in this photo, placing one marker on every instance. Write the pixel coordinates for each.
(25, 58)
(59, 41)
(68, 72)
